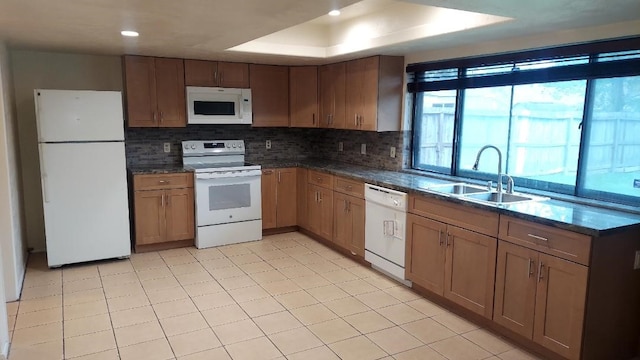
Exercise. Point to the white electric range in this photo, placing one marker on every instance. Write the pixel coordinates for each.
(227, 192)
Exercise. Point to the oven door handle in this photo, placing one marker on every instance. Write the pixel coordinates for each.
(247, 175)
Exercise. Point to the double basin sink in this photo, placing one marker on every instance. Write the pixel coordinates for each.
(480, 194)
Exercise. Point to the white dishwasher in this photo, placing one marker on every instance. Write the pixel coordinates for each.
(386, 216)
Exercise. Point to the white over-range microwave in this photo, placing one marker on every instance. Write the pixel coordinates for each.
(214, 105)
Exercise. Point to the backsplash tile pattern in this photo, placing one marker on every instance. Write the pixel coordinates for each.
(144, 146)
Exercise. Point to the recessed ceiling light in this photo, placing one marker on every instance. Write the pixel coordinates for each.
(129, 33)
(334, 12)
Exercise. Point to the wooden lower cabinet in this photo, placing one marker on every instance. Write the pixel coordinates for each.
(452, 262)
(348, 222)
(279, 198)
(320, 210)
(541, 297)
(163, 209)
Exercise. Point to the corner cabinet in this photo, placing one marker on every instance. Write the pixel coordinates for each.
(303, 96)
(451, 251)
(154, 92)
(279, 198)
(163, 211)
(374, 93)
(270, 95)
(216, 73)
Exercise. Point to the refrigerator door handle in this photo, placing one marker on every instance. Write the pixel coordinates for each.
(43, 176)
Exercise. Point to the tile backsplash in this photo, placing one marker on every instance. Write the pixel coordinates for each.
(144, 146)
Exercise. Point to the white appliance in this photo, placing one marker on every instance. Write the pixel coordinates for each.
(83, 175)
(214, 105)
(227, 191)
(386, 216)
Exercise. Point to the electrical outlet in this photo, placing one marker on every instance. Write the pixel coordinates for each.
(636, 263)
(363, 149)
(392, 152)
(268, 144)
(340, 146)
(167, 147)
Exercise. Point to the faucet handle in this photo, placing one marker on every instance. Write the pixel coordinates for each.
(510, 184)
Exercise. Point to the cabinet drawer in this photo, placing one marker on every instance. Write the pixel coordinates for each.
(349, 187)
(561, 243)
(320, 179)
(484, 222)
(162, 181)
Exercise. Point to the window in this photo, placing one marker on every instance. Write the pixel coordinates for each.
(567, 123)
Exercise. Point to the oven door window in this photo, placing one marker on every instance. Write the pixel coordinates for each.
(214, 108)
(225, 197)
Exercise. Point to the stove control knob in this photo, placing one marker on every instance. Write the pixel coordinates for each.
(186, 147)
(240, 145)
(228, 146)
(234, 146)
(193, 146)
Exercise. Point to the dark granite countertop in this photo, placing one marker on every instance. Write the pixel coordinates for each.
(585, 219)
(156, 169)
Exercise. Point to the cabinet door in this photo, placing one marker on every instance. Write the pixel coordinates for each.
(560, 304)
(149, 216)
(286, 197)
(179, 205)
(326, 213)
(233, 75)
(356, 212)
(353, 94)
(425, 253)
(170, 92)
(200, 73)
(269, 203)
(515, 293)
(470, 269)
(314, 210)
(270, 95)
(342, 222)
(140, 89)
(303, 96)
(369, 113)
(301, 180)
(331, 80)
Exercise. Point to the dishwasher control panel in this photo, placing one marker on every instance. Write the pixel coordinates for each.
(386, 197)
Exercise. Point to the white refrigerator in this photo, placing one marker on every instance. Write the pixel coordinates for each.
(83, 175)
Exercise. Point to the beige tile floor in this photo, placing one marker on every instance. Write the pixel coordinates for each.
(285, 297)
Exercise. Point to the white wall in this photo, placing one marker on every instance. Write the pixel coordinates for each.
(48, 70)
(11, 247)
(11, 210)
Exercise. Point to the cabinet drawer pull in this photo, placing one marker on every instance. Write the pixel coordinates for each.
(349, 187)
(162, 201)
(279, 177)
(313, 118)
(319, 179)
(540, 270)
(530, 270)
(168, 203)
(355, 120)
(164, 181)
(161, 116)
(267, 172)
(155, 116)
(447, 241)
(440, 241)
(538, 237)
(215, 77)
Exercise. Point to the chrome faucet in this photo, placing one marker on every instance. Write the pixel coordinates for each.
(475, 167)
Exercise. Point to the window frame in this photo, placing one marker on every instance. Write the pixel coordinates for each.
(589, 71)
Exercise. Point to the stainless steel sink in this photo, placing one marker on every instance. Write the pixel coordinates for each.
(494, 198)
(457, 189)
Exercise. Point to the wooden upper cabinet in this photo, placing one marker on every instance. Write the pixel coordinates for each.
(303, 96)
(170, 95)
(216, 73)
(331, 85)
(374, 93)
(154, 89)
(270, 95)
